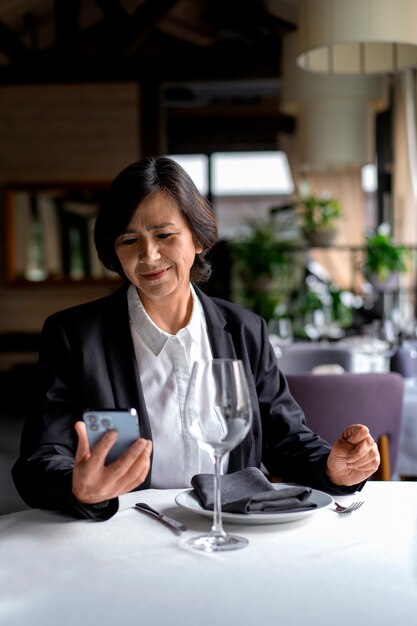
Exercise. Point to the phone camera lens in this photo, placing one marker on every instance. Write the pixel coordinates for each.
(106, 423)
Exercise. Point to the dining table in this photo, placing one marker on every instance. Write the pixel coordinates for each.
(321, 569)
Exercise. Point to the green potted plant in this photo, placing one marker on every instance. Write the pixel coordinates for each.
(317, 217)
(384, 259)
(263, 266)
(335, 305)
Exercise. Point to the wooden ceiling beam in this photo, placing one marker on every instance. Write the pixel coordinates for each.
(121, 33)
(11, 45)
(112, 10)
(103, 50)
(192, 22)
(110, 40)
(67, 25)
(144, 20)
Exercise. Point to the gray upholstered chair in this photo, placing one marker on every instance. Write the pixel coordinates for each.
(303, 358)
(403, 362)
(333, 402)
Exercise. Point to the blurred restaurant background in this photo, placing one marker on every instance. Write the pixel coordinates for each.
(296, 119)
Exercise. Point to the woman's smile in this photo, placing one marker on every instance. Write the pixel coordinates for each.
(155, 275)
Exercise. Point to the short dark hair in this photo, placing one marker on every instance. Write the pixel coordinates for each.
(131, 187)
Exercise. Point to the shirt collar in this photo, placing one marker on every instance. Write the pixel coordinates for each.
(152, 336)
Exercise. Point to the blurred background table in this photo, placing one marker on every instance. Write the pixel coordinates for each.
(407, 452)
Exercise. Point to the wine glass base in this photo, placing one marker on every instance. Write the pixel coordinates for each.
(216, 543)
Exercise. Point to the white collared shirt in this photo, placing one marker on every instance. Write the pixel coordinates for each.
(164, 363)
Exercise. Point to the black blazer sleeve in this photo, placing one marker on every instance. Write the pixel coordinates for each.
(43, 472)
(86, 360)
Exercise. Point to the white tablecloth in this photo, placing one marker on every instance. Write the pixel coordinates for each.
(327, 569)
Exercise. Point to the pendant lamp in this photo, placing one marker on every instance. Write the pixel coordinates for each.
(357, 36)
(334, 114)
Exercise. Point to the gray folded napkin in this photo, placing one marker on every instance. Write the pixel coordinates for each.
(249, 491)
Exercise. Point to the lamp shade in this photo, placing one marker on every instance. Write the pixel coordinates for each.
(335, 114)
(357, 36)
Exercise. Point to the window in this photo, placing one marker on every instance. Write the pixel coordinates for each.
(369, 178)
(244, 184)
(196, 166)
(251, 173)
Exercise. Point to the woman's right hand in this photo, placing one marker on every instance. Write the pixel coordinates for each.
(93, 482)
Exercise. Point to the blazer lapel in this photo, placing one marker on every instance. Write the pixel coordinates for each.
(221, 340)
(121, 363)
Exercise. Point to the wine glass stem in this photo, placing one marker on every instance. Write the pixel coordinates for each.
(217, 528)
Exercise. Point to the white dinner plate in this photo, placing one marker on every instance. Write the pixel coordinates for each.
(188, 500)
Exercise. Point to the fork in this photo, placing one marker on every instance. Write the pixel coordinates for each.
(347, 509)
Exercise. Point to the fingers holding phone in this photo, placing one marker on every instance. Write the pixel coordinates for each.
(111, 458)
(86, 448)
(100, 422)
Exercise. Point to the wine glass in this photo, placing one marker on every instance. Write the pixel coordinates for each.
(383, 340)
(313, 324)
(218, 427)
(280, 334)
(320, 325)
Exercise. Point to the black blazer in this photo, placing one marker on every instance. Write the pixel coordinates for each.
(87, 360)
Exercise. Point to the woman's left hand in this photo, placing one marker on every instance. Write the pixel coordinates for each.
(354, 457)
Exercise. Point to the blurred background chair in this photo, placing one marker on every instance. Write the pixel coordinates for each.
(333, 402)
(297, 359)
(404, 360)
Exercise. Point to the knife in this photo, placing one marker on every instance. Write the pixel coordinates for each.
(164, 518)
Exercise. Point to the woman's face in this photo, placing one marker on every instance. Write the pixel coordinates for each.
(157, 249)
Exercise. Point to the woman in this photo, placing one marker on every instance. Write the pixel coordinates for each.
(134, 349)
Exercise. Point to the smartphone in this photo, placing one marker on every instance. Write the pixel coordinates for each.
(125, 421)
